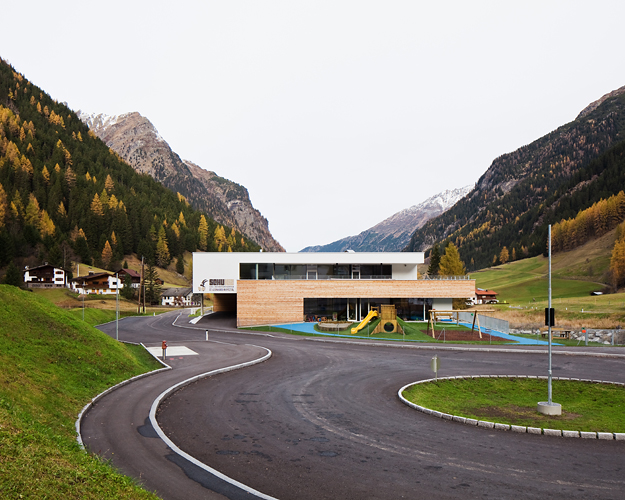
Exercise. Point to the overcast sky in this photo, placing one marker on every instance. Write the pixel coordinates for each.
(334, 115)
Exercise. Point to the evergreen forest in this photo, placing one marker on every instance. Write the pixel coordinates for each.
(65, 196)
(506, 216)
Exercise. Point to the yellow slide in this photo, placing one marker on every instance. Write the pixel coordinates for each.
(363, 323)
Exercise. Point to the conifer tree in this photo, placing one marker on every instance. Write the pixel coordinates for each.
(127, 291)
(46, 226)
(13, 276)
(504, 255)
(108, 183)
(451, 265)
(162, 250)
(180, 264)
(152, 288)
(435, 261)
(203, 232)
(220, 237)
(107, 255)
(32, 211)
(3, 206)
(96, 206)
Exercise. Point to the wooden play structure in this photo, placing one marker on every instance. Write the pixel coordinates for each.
(388, 321)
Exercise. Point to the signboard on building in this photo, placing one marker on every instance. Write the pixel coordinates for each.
(216, 285)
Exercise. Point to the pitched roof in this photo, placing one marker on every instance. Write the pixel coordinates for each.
(175, 292)
(130, 272)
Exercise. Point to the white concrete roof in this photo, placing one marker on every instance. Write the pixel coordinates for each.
(314, 257)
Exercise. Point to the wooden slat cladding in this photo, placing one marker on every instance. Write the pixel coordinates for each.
(225, 302)
(261, 302)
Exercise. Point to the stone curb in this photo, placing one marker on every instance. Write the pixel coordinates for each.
(610, 436)
(88, 406)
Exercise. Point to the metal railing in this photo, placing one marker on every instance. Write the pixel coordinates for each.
(362, 277)
(437, 277)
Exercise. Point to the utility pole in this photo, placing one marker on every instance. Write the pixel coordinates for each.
(117, 306)
(140, 288)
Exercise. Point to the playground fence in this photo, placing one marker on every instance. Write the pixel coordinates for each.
(499, 325)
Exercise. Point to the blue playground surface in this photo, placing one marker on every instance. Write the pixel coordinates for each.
(310, 328)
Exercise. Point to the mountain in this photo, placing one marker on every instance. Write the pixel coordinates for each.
(136, 140)
(522, 192)
(64, 195)
(393, 234)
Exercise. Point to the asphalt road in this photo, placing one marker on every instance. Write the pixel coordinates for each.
(322, 420)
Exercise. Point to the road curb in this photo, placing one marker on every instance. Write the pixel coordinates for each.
(88, 406)
(610, 436)
(168, 392)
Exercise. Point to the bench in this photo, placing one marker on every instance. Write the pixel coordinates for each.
(556, 333)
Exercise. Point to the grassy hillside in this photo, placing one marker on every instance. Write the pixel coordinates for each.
(52, 365)
(523, 285)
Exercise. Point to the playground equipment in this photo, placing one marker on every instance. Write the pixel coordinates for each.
(388, 321)
(372, 314)
(452, 315)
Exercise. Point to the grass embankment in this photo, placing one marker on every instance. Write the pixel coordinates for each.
(52, 365)
(523, 285)
(585, 406)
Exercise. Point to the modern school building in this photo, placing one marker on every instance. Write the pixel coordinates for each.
(278, 288)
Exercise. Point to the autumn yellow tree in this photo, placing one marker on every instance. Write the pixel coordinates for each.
(96, 205)
(451, 265)
(203, 232)
(46, 226)
(504, 255)
(32, 211)
(617, 261)
(107, 254)
(220, 237)
(46, 175)
(17, 207)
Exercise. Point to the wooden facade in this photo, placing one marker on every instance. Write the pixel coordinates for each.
(262, 302)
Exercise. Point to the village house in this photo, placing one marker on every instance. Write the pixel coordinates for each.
(45, 276)
(97, 283)
(177, 297)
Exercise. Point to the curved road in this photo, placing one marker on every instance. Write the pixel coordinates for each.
(322, 420)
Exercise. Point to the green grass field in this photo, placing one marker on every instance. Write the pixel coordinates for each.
(523, 288)
(53, 363)
(585, 406)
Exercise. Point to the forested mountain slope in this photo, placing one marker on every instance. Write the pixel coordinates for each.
(522, 192)
(137, 141)
(65, 194)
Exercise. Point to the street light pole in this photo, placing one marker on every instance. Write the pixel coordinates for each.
(549, 373)
(549, 407)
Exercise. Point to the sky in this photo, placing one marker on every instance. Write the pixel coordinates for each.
(333, 114)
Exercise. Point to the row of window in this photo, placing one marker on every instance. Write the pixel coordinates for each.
(266, 271)
(356, 309)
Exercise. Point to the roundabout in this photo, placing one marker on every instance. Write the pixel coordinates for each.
(321, 419)
(411, 400)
